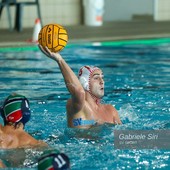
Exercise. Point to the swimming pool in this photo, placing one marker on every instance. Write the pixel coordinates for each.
(137, 83)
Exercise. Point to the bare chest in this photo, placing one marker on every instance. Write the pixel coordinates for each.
(101, 113)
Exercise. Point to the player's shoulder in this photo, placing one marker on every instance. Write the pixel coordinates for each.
(108, 106)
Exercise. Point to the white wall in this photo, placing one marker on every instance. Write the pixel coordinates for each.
(162, 10)
(123, 10)
(68, 12)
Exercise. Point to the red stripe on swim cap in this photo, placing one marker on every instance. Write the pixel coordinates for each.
(88, 68)
(14, 116)
(80, 72)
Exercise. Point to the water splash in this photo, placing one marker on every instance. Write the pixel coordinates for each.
(127, 114)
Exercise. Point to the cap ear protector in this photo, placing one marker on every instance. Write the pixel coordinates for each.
(57, 161)
(2, 112)
(16, 109)
(84, 76)
(84, 82)
(26, 112)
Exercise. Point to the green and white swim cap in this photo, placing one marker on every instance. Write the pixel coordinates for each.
(16, 109)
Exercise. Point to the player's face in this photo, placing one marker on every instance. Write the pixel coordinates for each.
(97, 84)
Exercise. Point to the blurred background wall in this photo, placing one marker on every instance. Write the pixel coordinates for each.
(71, 12)
(125, 10)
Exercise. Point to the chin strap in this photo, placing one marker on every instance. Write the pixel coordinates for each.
(96, 99)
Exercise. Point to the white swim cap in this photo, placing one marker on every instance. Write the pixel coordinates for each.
(84, 75)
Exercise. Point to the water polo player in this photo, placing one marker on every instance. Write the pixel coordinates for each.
(16, 113)
(16, 110)
(84, 108)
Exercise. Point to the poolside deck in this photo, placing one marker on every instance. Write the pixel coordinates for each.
(110, 31)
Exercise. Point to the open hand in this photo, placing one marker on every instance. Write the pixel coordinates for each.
(55, 56)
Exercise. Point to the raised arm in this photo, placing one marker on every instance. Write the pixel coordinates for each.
(72, 83)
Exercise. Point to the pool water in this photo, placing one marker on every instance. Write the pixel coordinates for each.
(137, 84)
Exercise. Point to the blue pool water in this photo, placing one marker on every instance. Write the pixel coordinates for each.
(137, 83)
